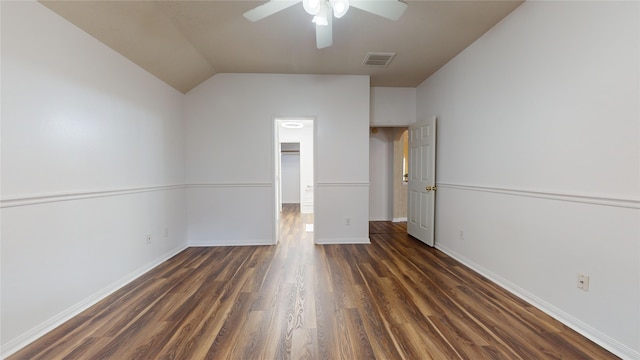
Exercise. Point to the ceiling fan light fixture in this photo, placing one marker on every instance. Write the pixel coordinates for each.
(320, 20)
(312, 7)
(323, 12)
(340, 7)
(321, 17)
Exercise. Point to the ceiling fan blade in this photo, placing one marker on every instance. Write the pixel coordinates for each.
(324, 34)
(269, 8)
(390, 9)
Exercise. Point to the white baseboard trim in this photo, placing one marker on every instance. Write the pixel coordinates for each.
(582, 328)
(330, 241)
(218, 243)
(400, 219)
(57, 320)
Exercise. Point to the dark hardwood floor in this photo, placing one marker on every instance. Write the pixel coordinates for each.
(393, 299)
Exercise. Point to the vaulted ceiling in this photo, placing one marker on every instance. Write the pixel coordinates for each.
(186, 42)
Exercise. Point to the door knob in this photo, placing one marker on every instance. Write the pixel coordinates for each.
(429, 188)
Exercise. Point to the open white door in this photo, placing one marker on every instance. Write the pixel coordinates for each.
(422, 180)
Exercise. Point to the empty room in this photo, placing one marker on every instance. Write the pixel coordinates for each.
(466, 179)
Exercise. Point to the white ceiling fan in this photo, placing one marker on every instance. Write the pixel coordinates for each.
(322, 9)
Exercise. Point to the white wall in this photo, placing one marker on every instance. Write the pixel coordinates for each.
(393, 106)
(91, 163)
(539, 161)
(230, 196)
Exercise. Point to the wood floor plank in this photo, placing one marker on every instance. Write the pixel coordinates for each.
(327, 327)
(393, 299)
(355, 336)
(250, 343)
(59, 343)
(304, 345)
(279, 341)
(383, 341)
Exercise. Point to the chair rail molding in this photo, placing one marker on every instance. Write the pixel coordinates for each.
(599, 199)
(23, 200)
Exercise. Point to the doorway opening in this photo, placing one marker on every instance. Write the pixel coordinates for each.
(413, 170)
(294, 175)
(388, 169)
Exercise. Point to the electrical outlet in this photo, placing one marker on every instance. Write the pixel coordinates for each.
(461, 235)
(583, 282)
(148, 239)
(166, 232)
(347, 222)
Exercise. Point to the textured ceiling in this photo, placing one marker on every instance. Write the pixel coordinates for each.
(186, 42)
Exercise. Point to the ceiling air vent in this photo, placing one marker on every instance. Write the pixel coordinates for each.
(378, 59)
